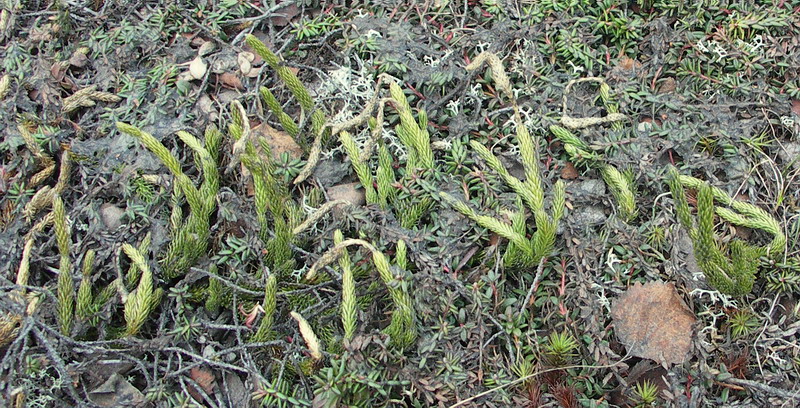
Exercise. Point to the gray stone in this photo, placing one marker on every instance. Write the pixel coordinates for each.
(588, 216)
(588, 188)
(789, 152)
(348, 192)
(111, 216)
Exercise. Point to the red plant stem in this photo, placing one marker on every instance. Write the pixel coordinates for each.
(416, 92)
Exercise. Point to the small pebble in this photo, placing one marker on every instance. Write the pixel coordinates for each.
(349, 192)
(111, 215)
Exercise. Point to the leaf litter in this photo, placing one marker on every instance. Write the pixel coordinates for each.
(653, 322)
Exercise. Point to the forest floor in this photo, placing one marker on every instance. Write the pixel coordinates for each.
(483, 203)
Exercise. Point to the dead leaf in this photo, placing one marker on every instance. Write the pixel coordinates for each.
(278, 140)
(227, 96)
(668, 85)
(644, 370)
(198, 68)
(207, 107)
(245, 59)
(569, 172)
(283, 16)
(653, 322)
(742, 232)
(58, 70)
(43, 33)
(245, 67)
(796, 106)
(257, 60)
(628, 63)
(43, 87)
(207, 47)
(625, 68)
(254, 72)
(117, 392)
(249, 56)
(205, 379)
(236, 392)
(78, 59)
(195, 39)
(231, 81)
(494, 239)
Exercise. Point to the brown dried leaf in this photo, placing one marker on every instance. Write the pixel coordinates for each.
(668, 85)
(117, 392)
(58, 70)
(628, 64)
(230, 80)
(653, 322)
(279, 141)
(569, 172)
(78, 59)
(204, 378)
(283, 16)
